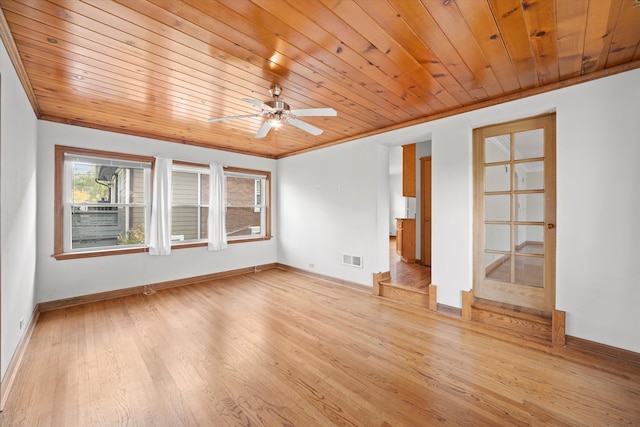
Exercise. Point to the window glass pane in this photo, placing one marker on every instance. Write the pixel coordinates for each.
(100, 226)
(204, 221)
(204, 189)
(86, 186)
(184, 223)
(497, 149)
(530, 207)
(246, 214)
(241, 191)
(242, 221)
(100, 197)
(106, 181)
(190, 187)
(497, 178)
(497, 207)
(530, 176)
(497, 267)
(497, 237)
(529, 144)
(184, 187)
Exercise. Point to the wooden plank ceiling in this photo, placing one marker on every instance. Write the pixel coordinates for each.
(161, 68)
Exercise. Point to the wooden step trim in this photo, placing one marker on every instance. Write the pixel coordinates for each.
(433, 297)
(377, 278)
(558, 326)
(515, 319)
(467, 300)
(404, 294)
(511, 310)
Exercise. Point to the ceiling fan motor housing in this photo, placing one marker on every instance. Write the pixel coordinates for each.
(278, 105)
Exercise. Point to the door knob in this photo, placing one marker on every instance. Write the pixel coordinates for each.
(427, 219)
(551, 226)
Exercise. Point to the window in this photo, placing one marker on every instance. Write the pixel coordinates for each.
(248, 215)
(190, 202)
(102, 201)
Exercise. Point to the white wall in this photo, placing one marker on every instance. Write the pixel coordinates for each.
(334, 201)
(18, 212)
(69, 278)
(598, 152)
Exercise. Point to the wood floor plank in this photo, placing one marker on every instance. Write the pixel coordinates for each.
(282, 348)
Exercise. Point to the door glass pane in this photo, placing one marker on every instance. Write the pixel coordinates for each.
(529, 271)
(530, 239)
(497, 149)
(497, 267)
(529, 144)
(497, 237)
(530, 175)
(497, 207)
(497, 178)
(530, 207)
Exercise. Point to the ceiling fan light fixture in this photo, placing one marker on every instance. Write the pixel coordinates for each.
(277, 113)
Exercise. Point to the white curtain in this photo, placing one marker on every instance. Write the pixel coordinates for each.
(217, 233)
(160, 228)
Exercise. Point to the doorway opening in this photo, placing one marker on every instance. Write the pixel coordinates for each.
(408, 266)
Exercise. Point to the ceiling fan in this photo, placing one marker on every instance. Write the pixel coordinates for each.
(278, 113)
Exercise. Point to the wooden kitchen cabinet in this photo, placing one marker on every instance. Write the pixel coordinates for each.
(409, 170)
(406, 239)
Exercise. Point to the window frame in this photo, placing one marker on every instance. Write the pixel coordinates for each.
(197, 168)
(266, 202)
(59, 202)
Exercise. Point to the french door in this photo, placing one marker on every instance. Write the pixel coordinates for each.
(514, 213)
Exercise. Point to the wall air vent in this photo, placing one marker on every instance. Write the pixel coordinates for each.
(352, 260)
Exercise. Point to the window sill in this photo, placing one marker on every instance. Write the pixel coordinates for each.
(93, 254)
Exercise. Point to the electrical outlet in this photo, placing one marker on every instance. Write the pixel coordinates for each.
(311, 265)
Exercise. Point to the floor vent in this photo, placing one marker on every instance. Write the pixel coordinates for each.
(352, 260)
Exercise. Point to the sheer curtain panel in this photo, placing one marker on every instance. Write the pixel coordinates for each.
(160, 232)
(217, 234)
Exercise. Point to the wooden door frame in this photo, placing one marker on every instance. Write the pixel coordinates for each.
(424, 220)
(547, 122)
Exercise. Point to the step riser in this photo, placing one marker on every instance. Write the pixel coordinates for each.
(404, 295)
(542, 330)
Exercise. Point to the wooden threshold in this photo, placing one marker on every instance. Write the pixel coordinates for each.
(549, 327)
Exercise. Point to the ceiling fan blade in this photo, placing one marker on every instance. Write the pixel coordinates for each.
(257, 103)
(264, 129)
(305, 126)
(308, 112)
(220, 119)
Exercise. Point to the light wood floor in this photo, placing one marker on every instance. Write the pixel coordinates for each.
(279, 348)
(405, 274)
